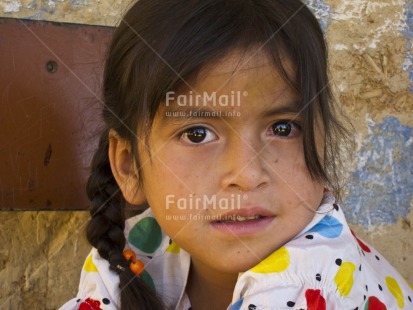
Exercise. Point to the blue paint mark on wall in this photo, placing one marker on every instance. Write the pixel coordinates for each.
(408, 34)
(381, 188)
(321, 10)
(79, 2)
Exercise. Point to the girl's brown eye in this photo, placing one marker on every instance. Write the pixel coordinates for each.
(285, 129)
(197, 135)
(281, 129)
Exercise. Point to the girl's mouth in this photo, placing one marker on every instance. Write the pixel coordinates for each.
(239, 218)
(244, 222)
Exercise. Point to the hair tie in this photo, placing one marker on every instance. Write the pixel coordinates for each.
(116, 261)
(118, 268)
(135, 265)
(119, 265)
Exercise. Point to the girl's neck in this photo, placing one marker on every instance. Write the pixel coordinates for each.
(208, 288)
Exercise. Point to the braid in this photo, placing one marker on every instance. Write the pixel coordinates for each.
(105, 230)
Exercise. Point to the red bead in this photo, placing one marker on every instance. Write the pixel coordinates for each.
(129, 255)
(137, 267)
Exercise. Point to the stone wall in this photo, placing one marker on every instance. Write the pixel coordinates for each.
(372, 70)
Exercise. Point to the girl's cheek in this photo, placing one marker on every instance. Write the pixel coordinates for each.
(283, 158)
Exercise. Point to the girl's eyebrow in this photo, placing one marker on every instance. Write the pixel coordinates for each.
(288, 108)
(179, 114)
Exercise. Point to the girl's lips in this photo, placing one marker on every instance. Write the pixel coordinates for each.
(246, 212)
(244, 228)
(228, 225)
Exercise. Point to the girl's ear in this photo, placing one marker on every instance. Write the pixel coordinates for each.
(124, 169)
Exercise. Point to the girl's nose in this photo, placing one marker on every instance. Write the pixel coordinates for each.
(244, 167)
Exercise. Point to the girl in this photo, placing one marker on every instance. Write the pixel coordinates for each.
(220, 118)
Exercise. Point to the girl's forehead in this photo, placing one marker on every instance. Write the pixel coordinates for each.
(239, 61)
(245, 82)
(244, 69)
(241, 73)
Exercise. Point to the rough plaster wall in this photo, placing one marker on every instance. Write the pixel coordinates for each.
(372, 70)
(93, 12)
(41, 255)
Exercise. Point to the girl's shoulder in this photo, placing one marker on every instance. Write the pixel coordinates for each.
(166, 264)
(324, 267)
(99, 286)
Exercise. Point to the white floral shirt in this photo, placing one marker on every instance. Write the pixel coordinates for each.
(323, 267)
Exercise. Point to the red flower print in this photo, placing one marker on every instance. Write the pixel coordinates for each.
(90, 304)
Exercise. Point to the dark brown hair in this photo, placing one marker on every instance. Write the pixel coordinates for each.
(161, 46)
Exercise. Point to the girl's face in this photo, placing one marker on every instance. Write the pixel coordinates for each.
(230, 189)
